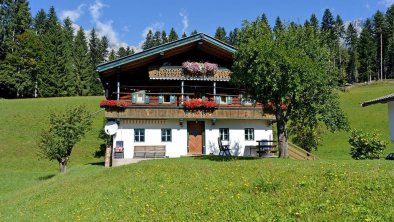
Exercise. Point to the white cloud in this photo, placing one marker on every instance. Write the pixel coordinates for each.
(387, 3)
(73, 14)
(368, 6)
(185, 20)
(105, 28)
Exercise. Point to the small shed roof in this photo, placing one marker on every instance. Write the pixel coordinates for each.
(383, 99)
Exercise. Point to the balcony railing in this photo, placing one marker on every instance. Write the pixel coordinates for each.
(178, 73)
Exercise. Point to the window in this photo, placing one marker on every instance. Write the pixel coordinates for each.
(249, 134)
(224, 134)
(140, 97)
(166, 99)
(139, 135)
(223, 99)
(165, 135)
(246, 101)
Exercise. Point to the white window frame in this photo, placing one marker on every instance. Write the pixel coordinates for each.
(169, 99)
(224, 134)
(140, 97)
(223, 99)
(249, 134)
(138, 135)
(166, 134)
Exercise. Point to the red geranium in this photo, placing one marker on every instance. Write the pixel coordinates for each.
(200, 104)
(112, 103)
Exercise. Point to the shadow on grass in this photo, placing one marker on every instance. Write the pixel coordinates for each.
(101, 163)
(47, 177)
(223, 158)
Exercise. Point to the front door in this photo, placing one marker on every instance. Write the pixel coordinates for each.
(195, 139)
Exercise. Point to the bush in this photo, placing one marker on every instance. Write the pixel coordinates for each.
(366, 145)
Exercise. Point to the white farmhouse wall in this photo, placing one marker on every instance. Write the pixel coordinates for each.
(262, 130)
(391, 120)
(178, 146)
(175, 148)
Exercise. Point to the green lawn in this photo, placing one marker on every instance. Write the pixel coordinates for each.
(184, 189)
(335, 145)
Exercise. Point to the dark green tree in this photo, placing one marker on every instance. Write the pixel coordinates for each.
(233, 37)
(68, 50)
(156, 39)
(148, 43)
(173, 35)
(366, 50)
(380, 30)
(194, 32)
(292, 72)
(220, 34)
(65, 130)
(112, 55)
(184, 35)
(339, 32)
(390, 41)
(39, 22)
(95, 53)
(314, 22)
(351, 40)
(164, 38)
(278, 28)
(104, 44)
(81, 65)
(121, 52)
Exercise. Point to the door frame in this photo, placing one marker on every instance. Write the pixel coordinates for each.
(203, 135)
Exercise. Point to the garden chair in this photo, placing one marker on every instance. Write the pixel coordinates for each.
(224, 150)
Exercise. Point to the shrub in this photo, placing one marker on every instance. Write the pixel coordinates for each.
(366, 145)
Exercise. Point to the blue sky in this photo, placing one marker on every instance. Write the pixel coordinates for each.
(127, 22)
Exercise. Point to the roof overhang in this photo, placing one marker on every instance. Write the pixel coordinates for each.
(202, 41)
(383, 99)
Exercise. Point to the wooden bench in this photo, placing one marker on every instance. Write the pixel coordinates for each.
(151, 151)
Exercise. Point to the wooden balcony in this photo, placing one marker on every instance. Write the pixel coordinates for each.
(177, 73)
(159, 112)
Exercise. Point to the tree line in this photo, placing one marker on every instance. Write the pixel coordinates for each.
(42, 56)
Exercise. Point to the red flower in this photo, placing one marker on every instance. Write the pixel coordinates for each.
(113, 103)
(200, 104)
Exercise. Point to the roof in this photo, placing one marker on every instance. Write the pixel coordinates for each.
(163, 48)
(383, 99)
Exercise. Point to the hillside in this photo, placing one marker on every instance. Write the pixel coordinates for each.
(182, 189)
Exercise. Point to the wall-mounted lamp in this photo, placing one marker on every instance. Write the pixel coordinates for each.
(213, 122)
(181, 122)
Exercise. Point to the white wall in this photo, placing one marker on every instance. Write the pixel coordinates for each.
(391, 120)
(237, 135)
(178, 146)
(175, 148)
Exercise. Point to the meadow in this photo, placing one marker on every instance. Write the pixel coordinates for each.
(192, 188)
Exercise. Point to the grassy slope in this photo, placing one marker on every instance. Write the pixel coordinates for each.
(335, 145)
(189, 189)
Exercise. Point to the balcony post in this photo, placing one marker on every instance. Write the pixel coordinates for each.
(182, 90)
(117, 86)
(214, 90)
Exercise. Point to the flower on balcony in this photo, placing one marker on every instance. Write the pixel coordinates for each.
(270, 107)
(198, 68)
(112, 103)
(195, 104)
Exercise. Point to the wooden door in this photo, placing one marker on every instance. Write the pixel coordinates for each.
(195, 138)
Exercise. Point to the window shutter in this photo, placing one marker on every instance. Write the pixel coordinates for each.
(160, 99)
(242, 101)
(217, 99)
(172, 99)
(187, 98)
(134, 98)
(146, 99)
(229, 100)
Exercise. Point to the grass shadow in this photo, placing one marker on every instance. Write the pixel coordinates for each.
(101, 152)
(101, 163)
(223, 158)
(47, 177)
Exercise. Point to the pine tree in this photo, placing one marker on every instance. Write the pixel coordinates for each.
(194, 32)
(220, 34)
(148, 43)
(367, 52)
(233, 37)
(132, 51)
(173, 35)
(351, 40)
(95, 59)
(390, 41)
(39, 22)
(327, 23)
(156, 41)
(380, 29)
(112, 55)
(104, 44)
(81, 68)
(184, 35)
(265, 21)
(68, 51)
(278, 28)
(339, 33)
(51, 82)
(164, 38)
(314, 22)
(121, 52)
(128, 50)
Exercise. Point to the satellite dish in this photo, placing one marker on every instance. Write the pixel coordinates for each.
(110, 128)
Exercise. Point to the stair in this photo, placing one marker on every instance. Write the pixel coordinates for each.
(297, 153)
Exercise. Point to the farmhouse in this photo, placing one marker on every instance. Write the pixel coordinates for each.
(389, 99)
(176, 99)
